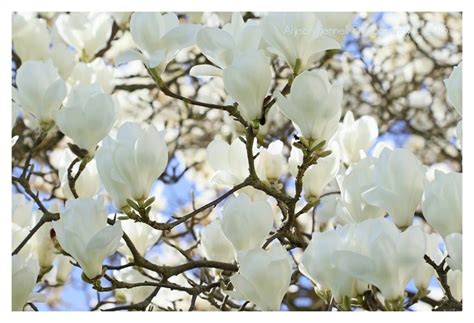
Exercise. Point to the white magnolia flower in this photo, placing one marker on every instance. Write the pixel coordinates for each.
(320, 262)
(132, 295)
(314, 105)
(442, 203)
(159, 38)
(214, 243)
(454, 247)
(86, 185)
(269, 164)
(121, 17)
(263, 277)
(425, 271)
(318, 176)
(94, 72)
(228, 161)
(222, 46)
(386, 258)
(455, 283)
(358, 177)
(24, 218)
(296, 36)
(354, 136)
(63, 58)
(130, 163)
(247, 81)
(25, 270)
(246, 223)
(142, 235)
(87, 116)
(30, 38)
(40, 90)
(398, 185)
(63, 269)
(454, 88)
(88, 33)
(83, 232)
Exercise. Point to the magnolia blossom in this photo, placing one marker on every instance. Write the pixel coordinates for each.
(384, 256)
(246, 223)
(30, 38)
(94, 72)
(87, 116)
(142, 235)
(454, 247)
(454, 88)
(269, 165)
(320, 263)
(83, 232)
(214, 243)
(314, 105)
(130, 163)
(40, 90)
(25, 270)
(221, 46)
(424, 272)
(159, 38)
(329, 207)
(86, 185)
(353, 184)
(296, 37)
(248, 80)
(86, 32)
(442, 203)
(132, 295)
(398, 185)
(355, 136)
(228, 161)
(263, 277)
(24, 218)
(318, 176)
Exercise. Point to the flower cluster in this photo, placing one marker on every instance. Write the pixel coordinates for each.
(325, 201)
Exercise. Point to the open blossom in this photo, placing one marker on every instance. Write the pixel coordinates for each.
(320, 262)
(94, 72)
(263, 277)
(383, 256)
(354, 136)
(40, 90)
(30, 38)
(228, 161)
(314, 105)
(83, 232)
(130, 163)
(454, 278)
(159, 38)
(398, 185)
(442, 203)
(86, 32)
(296, 36)
(246, 223)
(87, 116)
(221, 46)
(247, 81)
(353, 184)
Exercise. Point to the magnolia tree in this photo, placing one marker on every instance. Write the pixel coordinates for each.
(219, 161)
